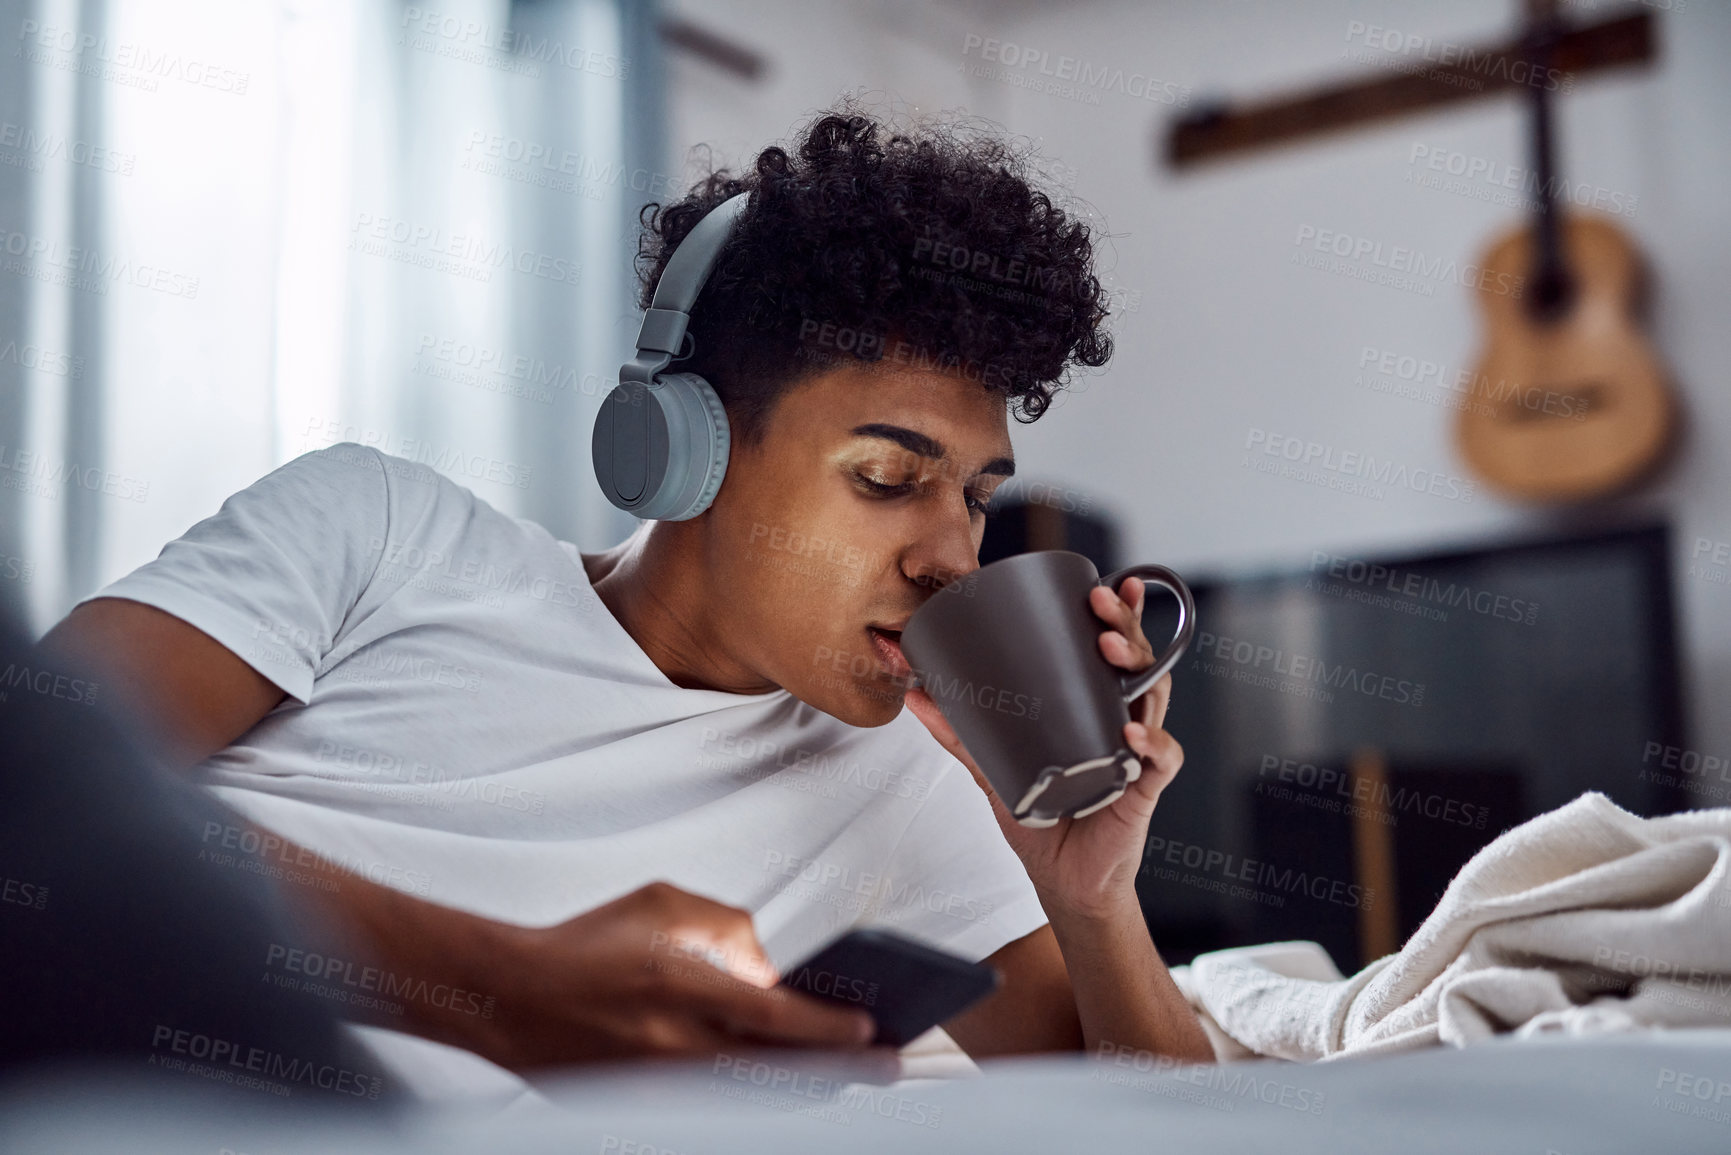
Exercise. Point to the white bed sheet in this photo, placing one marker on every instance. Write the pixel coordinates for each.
(1646, 1092)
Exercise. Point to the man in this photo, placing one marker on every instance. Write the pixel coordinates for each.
(549, 781)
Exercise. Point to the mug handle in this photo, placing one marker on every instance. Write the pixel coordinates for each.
(1134, 685)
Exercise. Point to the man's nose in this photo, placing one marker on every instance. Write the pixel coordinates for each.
(945, 554)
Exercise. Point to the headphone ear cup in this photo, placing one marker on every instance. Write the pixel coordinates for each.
(698, 441)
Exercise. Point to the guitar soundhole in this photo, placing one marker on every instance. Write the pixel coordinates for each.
(1554, 403)
(1551, 296)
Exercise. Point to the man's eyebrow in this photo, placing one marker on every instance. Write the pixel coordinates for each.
(918, 443)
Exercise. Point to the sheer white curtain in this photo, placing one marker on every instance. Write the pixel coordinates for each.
(405, 225)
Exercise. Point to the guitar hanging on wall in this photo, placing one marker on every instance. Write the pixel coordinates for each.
(1569, 398)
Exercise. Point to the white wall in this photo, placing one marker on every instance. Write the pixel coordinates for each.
(1228, 335)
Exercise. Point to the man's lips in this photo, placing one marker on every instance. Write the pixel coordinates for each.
(887, 644)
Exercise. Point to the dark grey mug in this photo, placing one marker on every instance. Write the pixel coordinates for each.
(1010, 655)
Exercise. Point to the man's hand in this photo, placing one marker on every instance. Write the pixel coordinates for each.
(657, 973)
(1089, 865)
(1084, 869)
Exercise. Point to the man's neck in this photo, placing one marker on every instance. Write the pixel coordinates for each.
(655, 585)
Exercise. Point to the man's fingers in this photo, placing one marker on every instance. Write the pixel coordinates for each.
(780, 1015)
(1124, 645)
(1156, 747)
(1131, 591)
(1113, 609)
(693, 930)
(1151, 707)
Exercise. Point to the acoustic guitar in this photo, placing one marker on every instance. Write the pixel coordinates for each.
(1569, 400)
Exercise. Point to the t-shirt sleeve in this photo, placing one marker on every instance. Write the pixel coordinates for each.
(953, 881)
(275, 572)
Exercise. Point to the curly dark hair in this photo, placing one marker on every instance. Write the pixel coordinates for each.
(931, 248)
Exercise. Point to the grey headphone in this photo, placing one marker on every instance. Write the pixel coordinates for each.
(661, 439)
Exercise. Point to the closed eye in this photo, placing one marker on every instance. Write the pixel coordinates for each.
(881, 489)
(976, 503)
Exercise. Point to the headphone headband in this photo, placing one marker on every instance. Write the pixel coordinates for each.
(664, 322)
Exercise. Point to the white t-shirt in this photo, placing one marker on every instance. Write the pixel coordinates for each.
(466, 721)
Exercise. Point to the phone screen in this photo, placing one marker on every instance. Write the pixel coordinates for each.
(906, 986)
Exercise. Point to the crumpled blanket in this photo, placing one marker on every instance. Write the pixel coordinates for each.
(1584, 920)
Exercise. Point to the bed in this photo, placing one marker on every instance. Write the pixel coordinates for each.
(1647, 1091)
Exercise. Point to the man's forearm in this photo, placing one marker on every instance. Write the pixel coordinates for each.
(1125, 996)
(426, 965)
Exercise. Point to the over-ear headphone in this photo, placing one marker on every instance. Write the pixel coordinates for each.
(661, 439)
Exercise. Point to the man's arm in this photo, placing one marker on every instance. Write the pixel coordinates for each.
(1122, 983)
(1033, 1009)
(184, 691)
(623, 979)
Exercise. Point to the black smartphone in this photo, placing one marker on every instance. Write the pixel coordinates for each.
(907, 987)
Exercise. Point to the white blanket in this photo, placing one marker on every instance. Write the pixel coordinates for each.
(1585, 920)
